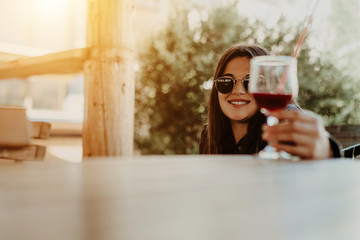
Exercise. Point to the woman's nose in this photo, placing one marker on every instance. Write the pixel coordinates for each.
(239, 88)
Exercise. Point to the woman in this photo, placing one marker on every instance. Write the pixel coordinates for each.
(236, 126)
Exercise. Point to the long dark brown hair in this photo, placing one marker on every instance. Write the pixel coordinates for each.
(219, 126)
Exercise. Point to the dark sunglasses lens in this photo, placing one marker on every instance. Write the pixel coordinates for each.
(224, 85)
(246, 84)
(245, 81)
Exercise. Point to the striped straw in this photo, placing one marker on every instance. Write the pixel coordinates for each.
(298, 45)
(302, 36)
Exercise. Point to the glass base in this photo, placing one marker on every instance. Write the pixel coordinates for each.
(270, 153)
(287, 156)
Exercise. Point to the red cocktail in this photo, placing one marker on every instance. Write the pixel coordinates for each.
(272, 102)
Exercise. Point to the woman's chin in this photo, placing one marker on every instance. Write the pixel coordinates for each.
(240, 119)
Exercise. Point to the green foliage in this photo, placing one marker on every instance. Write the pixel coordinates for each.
(174, 67)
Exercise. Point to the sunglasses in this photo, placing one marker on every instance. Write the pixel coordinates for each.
(226, 84)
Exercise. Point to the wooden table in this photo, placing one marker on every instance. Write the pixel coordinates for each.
(180, 197)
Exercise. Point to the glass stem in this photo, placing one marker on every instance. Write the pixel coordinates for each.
(271, 121)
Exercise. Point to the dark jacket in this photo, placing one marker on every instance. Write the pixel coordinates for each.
(249, 144)
(252, 142)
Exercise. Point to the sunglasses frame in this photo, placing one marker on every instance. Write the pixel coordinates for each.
(244, 79)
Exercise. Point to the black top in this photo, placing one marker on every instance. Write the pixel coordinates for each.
(252, 142)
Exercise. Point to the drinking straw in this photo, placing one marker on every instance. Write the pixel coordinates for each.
(302, 36)
(298, 45)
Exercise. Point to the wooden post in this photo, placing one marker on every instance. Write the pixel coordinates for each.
(109, 79)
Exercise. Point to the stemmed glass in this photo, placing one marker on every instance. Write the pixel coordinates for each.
(273, 83)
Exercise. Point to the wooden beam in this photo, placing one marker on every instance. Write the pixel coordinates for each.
(6, 57)
(66, 62)
(109, 80)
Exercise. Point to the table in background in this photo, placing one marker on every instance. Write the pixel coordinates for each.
(180, 197)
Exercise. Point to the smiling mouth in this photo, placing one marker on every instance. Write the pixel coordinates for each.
(238, 103)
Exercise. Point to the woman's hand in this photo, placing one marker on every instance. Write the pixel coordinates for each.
(301, 128)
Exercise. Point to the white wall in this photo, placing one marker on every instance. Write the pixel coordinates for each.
(47, 24)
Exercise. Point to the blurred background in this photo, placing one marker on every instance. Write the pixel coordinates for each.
(178, 44)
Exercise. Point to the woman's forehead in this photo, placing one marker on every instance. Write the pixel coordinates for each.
(238, 66)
